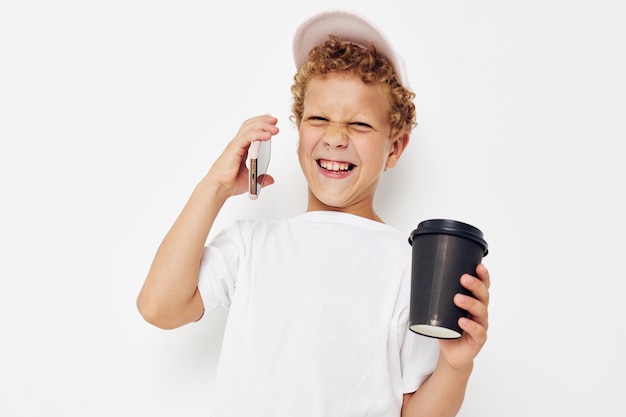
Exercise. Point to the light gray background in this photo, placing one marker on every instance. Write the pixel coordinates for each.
(111, 112)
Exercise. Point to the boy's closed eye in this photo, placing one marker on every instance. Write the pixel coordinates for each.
(358, 126)
(361, 126)
(317, 120)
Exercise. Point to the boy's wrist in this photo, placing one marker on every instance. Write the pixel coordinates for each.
(464, 370)
(213, 189)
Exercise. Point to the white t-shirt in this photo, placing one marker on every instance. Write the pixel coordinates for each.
(318, 319)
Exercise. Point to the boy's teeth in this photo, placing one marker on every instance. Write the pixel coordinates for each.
(334, 166)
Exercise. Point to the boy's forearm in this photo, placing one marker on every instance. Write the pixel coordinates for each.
(169, 296)
(441, 395)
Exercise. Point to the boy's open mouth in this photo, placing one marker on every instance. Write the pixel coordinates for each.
(335, 166)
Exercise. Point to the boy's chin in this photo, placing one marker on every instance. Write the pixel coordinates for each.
(323, 201)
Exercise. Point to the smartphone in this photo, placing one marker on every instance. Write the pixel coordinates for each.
(258, 160)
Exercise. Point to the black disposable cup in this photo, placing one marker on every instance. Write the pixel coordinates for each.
(443, 250)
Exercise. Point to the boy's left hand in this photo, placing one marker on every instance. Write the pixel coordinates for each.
(460, 353)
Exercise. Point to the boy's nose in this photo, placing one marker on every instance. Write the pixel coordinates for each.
(336, 135)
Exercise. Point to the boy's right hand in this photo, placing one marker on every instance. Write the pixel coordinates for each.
(229, 171)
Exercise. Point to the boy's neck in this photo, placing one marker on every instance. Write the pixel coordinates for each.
(362, 210)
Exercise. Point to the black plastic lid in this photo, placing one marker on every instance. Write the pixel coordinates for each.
(450, 227)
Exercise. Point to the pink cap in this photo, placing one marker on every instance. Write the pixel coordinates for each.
(346, 26)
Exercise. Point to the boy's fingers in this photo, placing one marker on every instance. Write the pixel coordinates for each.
(477, 286)
(477, 332)
(477, 311)
(483, 273)
(266, 179)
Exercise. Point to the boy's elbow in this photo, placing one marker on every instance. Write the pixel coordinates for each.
(165, 316)
(153, 314)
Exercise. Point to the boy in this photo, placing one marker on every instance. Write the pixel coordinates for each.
(318, 304)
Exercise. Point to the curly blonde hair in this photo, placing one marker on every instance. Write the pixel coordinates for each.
(341, 56)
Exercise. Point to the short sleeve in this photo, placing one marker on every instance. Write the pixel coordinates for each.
(418, 355)
(219, 267)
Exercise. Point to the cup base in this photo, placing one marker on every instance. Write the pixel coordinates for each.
(437, 332)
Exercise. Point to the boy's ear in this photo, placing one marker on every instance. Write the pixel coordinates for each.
(397, 147)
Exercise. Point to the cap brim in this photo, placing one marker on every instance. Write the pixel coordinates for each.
(346, 26)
